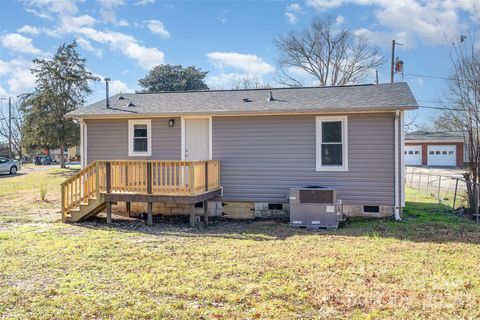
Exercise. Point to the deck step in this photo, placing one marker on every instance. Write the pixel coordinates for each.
(86, 210)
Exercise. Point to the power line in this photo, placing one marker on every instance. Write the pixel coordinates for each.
(428, 76)
(433, 101)
(440, 108)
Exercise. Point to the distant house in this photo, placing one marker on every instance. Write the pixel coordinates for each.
(434, 148)
(70, 154)
(261, 141)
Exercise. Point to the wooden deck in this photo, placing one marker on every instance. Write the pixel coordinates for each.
(104, 182)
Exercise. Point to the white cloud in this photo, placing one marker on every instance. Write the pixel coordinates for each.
(326, 4)
(146, 57)
(82, 28)
(3, 92)
(144, 2)
(17, 76)
(339, 20)
(117, 86)
(45, 8)
(433, 22)
(22, 81)
(77, 22)
(87, 46)
(107, 11)
(29, 29)
(293, 11)
(249, 63)
(157, 27)
(18, 43)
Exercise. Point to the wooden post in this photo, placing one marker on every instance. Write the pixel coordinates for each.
(428, 182)
(192, 178)
(149, 178)
(97, 180)
(439, 185)
(192, 216)
(126, 175)
(128, 208)
(476, 195)
(150, 214)
(218, 173)
(455, 195)
(108, 177)
(206, 175)
(64, 214)
(109, 212)
(205, 213)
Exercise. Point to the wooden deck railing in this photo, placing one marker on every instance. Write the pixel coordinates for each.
(140, 177)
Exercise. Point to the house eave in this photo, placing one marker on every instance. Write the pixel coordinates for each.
(130, 115)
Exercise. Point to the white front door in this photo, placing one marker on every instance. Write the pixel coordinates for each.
(413, 155)
(442, 155)
(197, 139)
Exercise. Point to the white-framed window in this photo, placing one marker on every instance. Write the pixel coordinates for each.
(140, 138)
(332, 143)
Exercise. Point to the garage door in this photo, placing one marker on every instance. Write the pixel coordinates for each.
(413, 155)
(442, 155)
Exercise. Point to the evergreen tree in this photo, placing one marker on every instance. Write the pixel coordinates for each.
(61, 86)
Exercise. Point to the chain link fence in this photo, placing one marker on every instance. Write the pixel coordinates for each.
(448, 190)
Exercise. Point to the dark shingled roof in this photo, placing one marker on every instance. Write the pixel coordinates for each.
(380, 97)
(434, 136)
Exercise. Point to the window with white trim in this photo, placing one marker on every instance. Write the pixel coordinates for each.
(139, 138)
(332, 144)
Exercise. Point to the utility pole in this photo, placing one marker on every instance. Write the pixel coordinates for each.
(10, 128)
(392, 65)
(393, 62)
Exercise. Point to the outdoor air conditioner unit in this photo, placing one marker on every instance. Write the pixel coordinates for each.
(315, 207)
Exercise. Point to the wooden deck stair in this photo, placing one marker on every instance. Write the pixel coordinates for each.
(84, 195)
(87, 209)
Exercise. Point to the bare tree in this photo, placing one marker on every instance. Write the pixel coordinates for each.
(465, 114)
(248, 83)
(449, 121)
(16, 127)
(411, 123)
(332, 55)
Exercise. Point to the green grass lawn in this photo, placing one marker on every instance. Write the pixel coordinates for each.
(425, 267)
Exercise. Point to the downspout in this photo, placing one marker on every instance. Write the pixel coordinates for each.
(82, 152)
(396, 210)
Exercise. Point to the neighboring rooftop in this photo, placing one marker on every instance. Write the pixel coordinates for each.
(435, 136)
(379, 97)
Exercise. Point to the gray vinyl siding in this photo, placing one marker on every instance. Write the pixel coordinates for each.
(262, 157)
(108, 140)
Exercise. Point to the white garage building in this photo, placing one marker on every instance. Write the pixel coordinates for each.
(434, 149)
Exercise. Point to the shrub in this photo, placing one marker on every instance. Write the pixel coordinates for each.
(43, 192)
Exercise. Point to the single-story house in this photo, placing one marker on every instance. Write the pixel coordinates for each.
(264, 141)
(434, 148)
(69, 153)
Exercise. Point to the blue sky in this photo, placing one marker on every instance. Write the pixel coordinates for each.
(230, 39)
